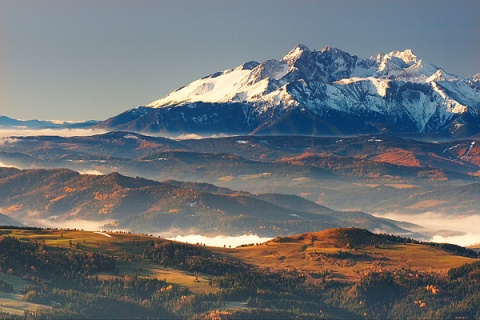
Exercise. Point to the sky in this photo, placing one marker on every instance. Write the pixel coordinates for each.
(93, 59)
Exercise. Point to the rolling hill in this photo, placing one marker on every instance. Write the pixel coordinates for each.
(337, 273)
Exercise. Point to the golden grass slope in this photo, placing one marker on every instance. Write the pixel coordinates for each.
(347, 254)
(343, 253)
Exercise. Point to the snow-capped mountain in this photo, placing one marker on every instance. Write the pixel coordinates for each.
(314, 92)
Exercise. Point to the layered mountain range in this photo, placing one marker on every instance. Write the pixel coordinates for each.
(6, 122)
(272, 109)
(374, 173)
(317, 92)
(54, 197)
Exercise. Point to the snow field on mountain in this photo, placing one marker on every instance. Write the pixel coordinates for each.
(397, 89)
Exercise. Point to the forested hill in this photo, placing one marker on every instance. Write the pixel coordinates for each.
(336, 273)
(143, 205)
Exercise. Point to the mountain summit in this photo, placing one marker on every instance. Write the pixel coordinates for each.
(317, 92)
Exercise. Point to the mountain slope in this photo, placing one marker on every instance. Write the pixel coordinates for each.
(317, 92)
(7, 221)
(58, 196)
(369, 173)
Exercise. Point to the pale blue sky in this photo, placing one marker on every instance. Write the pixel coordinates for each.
(93, 59)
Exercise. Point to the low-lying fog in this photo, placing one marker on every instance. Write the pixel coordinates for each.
(9, 165)
(21, 132)
(6, 133)
(460, 230)
(91, 225)
(222, 241)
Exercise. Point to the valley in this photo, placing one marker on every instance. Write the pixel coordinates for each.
(192, 183)
(360, 176)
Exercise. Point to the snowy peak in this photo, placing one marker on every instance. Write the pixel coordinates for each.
(395, 91)
(327, 65)
(293, 55)
(474, 82)
(336, 64)
(270, 69)
(219, 87)
(406, 66)
(440, 75)
(391, 64)
(248, 65)
(254, 82)
(401, 59)
(251, 81)
(418, 72)
(406, 56)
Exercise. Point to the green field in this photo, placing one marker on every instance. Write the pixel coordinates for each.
(13, 302)
(126, 248)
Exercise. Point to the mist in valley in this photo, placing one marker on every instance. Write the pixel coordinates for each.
(33, 220)
(441, 227)
(9, 165)
(7, 133)
(436, 227)
(221, 241)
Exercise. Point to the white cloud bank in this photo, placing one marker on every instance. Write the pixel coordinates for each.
(6, 134)
(89, 225)
(9, 165)
(220, 241)
(91, 172)
(33, 219)
(443, 228)
(19, 132)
